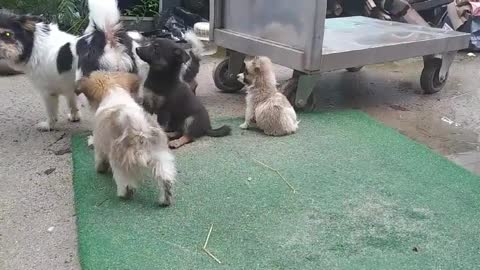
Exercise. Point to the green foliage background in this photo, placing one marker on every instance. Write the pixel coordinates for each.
(71, 15)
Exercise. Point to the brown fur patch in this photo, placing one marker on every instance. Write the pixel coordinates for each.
(10, 51)
(100, 83)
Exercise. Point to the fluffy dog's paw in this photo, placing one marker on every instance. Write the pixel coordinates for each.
(126, 193)
(74, 117)
(164, 203)
(90, 141)
(44, 126)
(244, 126)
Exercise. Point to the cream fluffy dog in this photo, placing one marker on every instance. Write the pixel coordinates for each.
(126, 139)
(266, 107)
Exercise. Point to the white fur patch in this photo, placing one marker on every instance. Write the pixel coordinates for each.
(165, 167)
(116, 59)
(135, 35)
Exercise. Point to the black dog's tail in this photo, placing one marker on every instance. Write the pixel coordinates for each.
(219, 132)
(193, 67)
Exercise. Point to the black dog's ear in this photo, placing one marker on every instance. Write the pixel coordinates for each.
(182, 54)
(141, 53)
(28, 22)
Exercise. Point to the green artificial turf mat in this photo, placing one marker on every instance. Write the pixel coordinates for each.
(366, 198)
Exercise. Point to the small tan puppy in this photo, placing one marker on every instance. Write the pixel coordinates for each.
(125, 138)
(266, 107)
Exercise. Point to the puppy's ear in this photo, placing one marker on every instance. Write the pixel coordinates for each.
(28, 22)
(142, 53)
(182, 54)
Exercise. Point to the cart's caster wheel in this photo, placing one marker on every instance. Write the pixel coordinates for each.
(223, 81)
(430, 79)
(354, 69)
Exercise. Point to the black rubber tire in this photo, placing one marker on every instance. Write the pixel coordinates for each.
(430, 79)
(354, 69)
(219, 77)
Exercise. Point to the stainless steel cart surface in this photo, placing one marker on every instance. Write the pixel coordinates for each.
(296, 34)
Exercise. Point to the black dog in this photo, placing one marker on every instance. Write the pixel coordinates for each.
(172, 99)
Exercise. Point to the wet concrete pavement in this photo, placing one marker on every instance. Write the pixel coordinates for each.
(36, 186)
(448, 122)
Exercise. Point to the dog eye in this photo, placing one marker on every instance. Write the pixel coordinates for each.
(7, 34)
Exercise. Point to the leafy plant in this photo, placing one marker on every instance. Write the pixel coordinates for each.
(70, 15)
(147, 8)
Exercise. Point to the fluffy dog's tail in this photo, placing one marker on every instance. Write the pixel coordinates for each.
(138, 145)
(104, 17)
(193, 65)
(140, 148)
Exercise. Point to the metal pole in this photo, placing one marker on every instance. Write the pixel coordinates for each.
(313, 50)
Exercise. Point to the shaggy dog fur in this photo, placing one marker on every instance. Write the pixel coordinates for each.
(126, 139)
(167, 95)
(266, 107)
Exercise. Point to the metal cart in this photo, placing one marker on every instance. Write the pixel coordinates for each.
(295, 34)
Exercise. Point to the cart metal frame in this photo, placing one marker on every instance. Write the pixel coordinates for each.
(305, 41)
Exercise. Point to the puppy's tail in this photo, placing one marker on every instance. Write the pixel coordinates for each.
(219, 132)
(104, 17)
(192, 68)
(195, 42)
(133, 149)
(193, 65)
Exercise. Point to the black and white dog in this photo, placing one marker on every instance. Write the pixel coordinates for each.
(55, 60)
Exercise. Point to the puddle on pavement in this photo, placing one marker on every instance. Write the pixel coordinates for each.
(444, 136)
(387, 93)
(449, 136)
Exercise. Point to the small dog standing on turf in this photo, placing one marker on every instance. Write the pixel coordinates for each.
(167, 95)
(266, 108)
(126, 138)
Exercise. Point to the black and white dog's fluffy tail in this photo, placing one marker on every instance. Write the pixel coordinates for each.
(192, 66)
(103, 16)
(105, 45)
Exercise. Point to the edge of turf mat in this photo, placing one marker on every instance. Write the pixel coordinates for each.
(367, 198)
